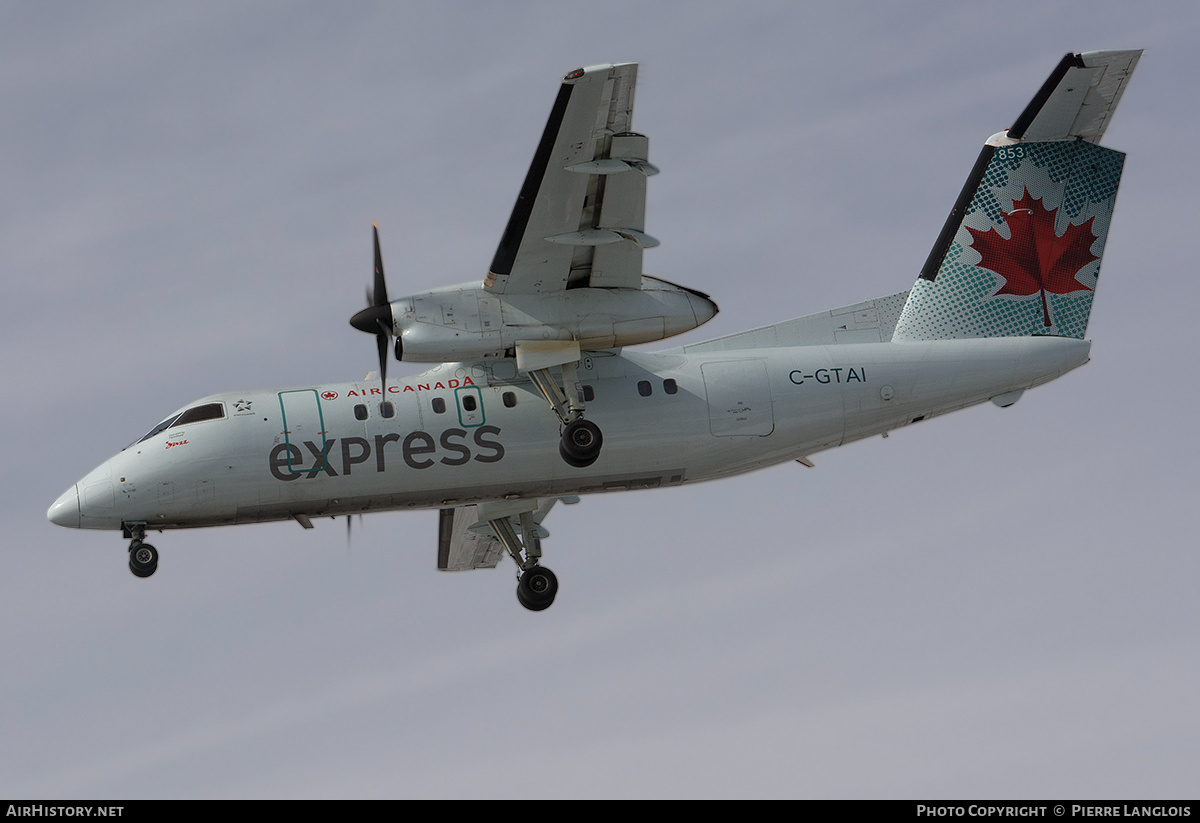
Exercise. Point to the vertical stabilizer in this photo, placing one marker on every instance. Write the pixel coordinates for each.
(1020, 252)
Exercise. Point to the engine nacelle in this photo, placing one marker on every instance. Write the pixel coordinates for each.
(470, 323)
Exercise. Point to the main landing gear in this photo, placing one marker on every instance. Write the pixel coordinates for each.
(536, 585)
(581, 439)
(143, 558)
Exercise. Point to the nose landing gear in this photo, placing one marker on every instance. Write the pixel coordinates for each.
(143, 558)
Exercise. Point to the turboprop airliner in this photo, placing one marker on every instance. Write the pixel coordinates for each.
(537, 397)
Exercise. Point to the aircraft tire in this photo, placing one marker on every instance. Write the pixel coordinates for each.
(143, 559)
(141, 572)
(574, 461)
(581, 442)
(536, 588)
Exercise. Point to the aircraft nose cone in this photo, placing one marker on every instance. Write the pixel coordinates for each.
(65, 511)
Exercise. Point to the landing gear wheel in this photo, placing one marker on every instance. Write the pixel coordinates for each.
(536, 588)
(581, 442)
(573, 461)
(143, 559)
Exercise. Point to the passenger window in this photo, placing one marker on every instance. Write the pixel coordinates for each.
(360, 412)
(644, 388)
(669, 386)
(387, 409)
(468, 402)
(510, 399)
(439, 405)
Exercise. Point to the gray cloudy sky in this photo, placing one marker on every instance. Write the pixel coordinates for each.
(998, 603)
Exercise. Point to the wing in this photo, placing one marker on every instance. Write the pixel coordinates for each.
(467, 542)
(579, 219)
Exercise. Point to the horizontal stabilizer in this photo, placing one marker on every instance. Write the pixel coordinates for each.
(1078, 99)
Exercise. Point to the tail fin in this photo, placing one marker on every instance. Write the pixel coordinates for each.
(1020, 252)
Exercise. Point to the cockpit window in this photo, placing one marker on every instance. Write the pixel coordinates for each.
(207, 411)
(165, 424)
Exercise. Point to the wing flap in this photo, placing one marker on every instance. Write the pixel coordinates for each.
(460, 548)
(466, 540)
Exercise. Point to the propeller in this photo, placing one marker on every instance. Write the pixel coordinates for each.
(377, 317)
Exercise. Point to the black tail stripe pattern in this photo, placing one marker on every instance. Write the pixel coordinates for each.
(934, 261)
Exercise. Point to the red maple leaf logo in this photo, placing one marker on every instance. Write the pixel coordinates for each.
(1034, 259)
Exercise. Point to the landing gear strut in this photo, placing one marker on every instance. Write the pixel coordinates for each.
(143, 558)
(536, 585)
(581, 439)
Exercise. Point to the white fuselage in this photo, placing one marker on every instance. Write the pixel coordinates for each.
(668, 418)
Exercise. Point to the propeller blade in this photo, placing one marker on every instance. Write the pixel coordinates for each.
(381, 342)
(380, 294)
(376, 318)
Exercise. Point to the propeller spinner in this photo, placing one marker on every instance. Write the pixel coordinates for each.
(377, 317)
